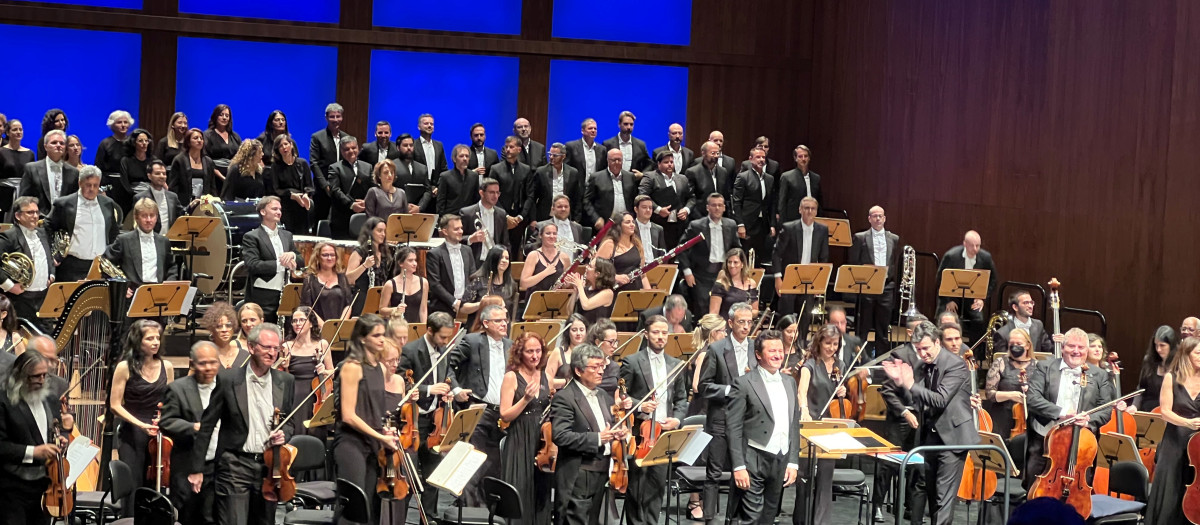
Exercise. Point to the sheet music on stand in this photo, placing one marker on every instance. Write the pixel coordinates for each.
(457, 468)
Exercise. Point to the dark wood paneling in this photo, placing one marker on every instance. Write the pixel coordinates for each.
(157, 101)
(354, 90)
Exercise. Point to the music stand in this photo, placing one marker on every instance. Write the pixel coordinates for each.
(548, 330)
(158, 300)
(289, 300)
(990, 460)
(1114, 447)
(679, 346)
(190, 229)
(830, 441)
(806, 279)
(549, 304)
(56, 299)
(964, 284)
(629, 304)
(371, 304)
(338, 335)
(668, 451)
(514, 270)
(861, 279)
(663, 277)
(324, 415)
(404, 228)
(1150, 429)
(839, 231)
(461, 427)
(628, 349)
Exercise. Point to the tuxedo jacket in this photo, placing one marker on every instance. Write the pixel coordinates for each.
(863, 252)
(470, 361)
(789, 245)
(512, 184)
(889, 391)
(576, 431)
(62, 216)
(598, 195)
(700, 180)
(323, 153)
(654, 184)
(441, 275)
(658, 240)
(717, 377)
(577, 159)
(1041, 401)
(726, 162)
(688, 323)
(18, 430)
(181, 410)
(174, 208)
(345, 188)
(35, 182)
(1037, 333)
(539, 193)
(955, 259)
(415, 356)
(641, 155)
(126, 252)
(639, 380)
(792, 190)
(946, 407)
(534, 156)
(750, 208)
(751, 417)
(696, 258)
(500, 229)
(489, 157)
(772, 167)
(414, 180)
(229, 406)
(456, 191)
(260, 257)
(438, 164)
(687, 154)
(13, 240)
(370, 152)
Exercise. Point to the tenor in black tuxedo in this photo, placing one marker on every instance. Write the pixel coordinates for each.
(789, 249)
(14, 240)
(174, 208)
(471, 363)
(499, 229)
(441, 275)
(1042, 410)
(323, 152)
(581, 471)
(539, 196)
(792, 188)
(675, 195)
(717, 376)
(513, 179)
(752, 424)
(877, 309)
(533, 154)
(686, 156)
(347, 183)
(262, 262)
(704, 181)
(62, 218)
(437, 164)
(699, 262)
(576, 157)
(22, 482)
(641, 155)
(127, 252)
(182, 408)
(754, 208)
(598, 195)
(413, 177)
(955, 258)
(456, 189)
(490, 157)
(643, 500)
(658, 238)
(35, 182)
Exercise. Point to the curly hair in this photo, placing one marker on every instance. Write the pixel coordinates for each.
(215, 312)
(244, 154)
(518, 348)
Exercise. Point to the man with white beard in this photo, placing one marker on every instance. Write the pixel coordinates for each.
(23, 447)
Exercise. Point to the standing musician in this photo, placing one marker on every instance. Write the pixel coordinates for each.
(545, 263)
(27, 416)
(91, 221)
(348, 182)
(603, 335)
(1159, 355)
(878, 247)
(969, 256)
(643, 372)
(1020, 304)
(268, 254)
(939, 390)
(669, 192)
(764, 439)
(448, 266)
(754, 203)
(249, 316)
(139, 383)
(166, 203)
(418, 356)
(12, 342)
(524, 396)
(360, 432)
(594, 290)
(623, 247)
(581, 419)
(326, 285)
(484, 223)
(701, 264)
(393, 510)
(817, 387)
(371, 262)
(142, 254)
(31, 240)
(725, 361)
(1003, 388)
(306, 356)
(243, 403)
(1181, 411)
(1054, 396)
(650, 233)
(406, 294)
(805, 241)
(219, 321)
(182, 409)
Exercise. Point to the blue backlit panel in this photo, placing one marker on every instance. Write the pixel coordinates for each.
(458, 90)
(657, 96)
(122, 4)
(254, 79)
(501, 17)
(323, 11)
(88, 94)
(658, 21)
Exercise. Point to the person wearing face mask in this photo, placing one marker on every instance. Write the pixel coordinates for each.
(1004, 387)
(1020, 306)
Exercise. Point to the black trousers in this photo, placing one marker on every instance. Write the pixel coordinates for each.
(358, 466)
(486, 439)
(1035, 461)
(644, 499)
(133, 448)
(320, 208)
(698, 295)
(266, 298)
(582, 504)
(943, 472)
(899, 433)
(238, 491)
(759, 504)
(878, 316)
(717, 462)
(72, 269)
(195, 508)
(427, 462)
(824, 486)
(23, 501)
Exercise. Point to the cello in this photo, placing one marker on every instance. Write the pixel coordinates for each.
(977, 484)
(392, 482)
(1121, 423)
(1191, 494)
(618, 479)
(159, 451)
(1070, 451)
(278, 484)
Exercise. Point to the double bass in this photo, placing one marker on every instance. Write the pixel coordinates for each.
(977, 484)
(1121, 423)
(1070, 451)
(159, 450)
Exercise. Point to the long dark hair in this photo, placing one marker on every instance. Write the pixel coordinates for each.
(216, 112)
(131, 148)
(814, 347)
(314, 329)
(133, 344)
(355, 349)
(47, 125)
(489, 268)
(269, 130)
(1151, 361)
(564, 339)
(9, 324)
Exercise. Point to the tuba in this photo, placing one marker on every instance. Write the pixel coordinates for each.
(18, 266)
(996, 322)
(908, 285)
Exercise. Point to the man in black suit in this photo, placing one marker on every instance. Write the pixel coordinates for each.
(91, 221)
(772, 165)
(940, 393)
(169, 207)
(27, 238)
(549, 181)
(643, 372)
(969, 256)
(382, 147)
(348, 181)
(879, 247)
(1054, 396)
(50, 178)
(477, 366)
(675, 310)
(492, 218)
(706, 177)
(900, 429)
(244, 402)
(268, 253)
(670, 193)
(419, 356)
(581, 420)
(682, 155)
(324, 150)
(703, 261)
(805, 241)
(585, 154)
(56, 384)
(429, 152)
(726, 361)
(143, 255)
(797, 184)
(653, 239)
(600, 192)
(481, 156)
(533, 153)
(412, 177)
(27, 416)
(635, 157)
(182, 410)
(568, 230)
(764, 437)
(723, 160)
(449, 266)
(1020, 306)
(457, 188)
(753, 205)
(513, 177)
(849, 346)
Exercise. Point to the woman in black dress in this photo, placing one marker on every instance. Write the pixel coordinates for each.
(1004, 387)
(51, 120)
(371, 263)
(220, 320)
(558, 362)
(385, 198)
(221, 141)
(709, 329)
(594, 290)
(306, 356)
(10, 340)
(524, 395)
(172, 142)
(276, 127)
(393, 510)
(544, 265)
(139, 385)
(13, 156)
(74, 156)
(244, 180)
(733, 284)
(1180, 401)
(134, 167)
(491, 278)
(192, 171)
(292, 182)
(407, 292)
(1159, 356)
(793, 344)
(325, 278)
(112, 149)
(623, 247)
(816, 388)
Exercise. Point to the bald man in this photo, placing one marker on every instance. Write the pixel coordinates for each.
(682, 155)
(186, 399)
(533, 153)
(879, 247)
(969, 256)
(1189, 328)
(727, 162)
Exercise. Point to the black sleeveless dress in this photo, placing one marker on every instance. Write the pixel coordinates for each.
(242, 357)
(1171, 471)
(625, 263)
(141, 400)
(304, 369)
(599, 312)
(539, 266)
(354, 452)
(412, 301)
(520, 451)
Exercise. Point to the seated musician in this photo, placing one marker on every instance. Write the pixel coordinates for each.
(24, 449)
(817, 387)
(544, 264)
(406, 294)
(581, 417)
(245, 433)
(1004, 387)
(165, 200)
(1020, 305)
(11, 341)
(249, 316)
(268, 253)
(182, 409)
(397, 331)
(594, 290)
(733, 284)
(603, 335)
(492, 277)
(419, 356)
(29, 239)
(91, 221)
(675, 309)
(143, 254)
(139, 384)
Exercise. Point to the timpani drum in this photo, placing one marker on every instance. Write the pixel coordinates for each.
(306, 244)
(237, 219)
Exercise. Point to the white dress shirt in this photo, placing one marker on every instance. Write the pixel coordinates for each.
(261, 406)
(618, 192)
(164, 214)
(677, 154)
(1068, 393)
(658, 372)
(716, 242)
(54, 171)
(88, 238)
(806, 246)
(495, 370)
(779, 401)
(879, 247)
(277, 282)
(458, 269)
(564, 230)
(594, 403)
(626, 146)
(43, 423)
(487, 217)
(556, 181)
(968, 262)
(434, 355)
(808, 186)
(589, 156)
(149, 257)
(206, 395)
(479, 157)
(430, 154)
(647, 241)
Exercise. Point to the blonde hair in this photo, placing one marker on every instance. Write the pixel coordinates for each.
(1023, 334)
(314, 260)
(146, 205)
(704, 329)
(1181, 368)
(380, 166)
(246, 152)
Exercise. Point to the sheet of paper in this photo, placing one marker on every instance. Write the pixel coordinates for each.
(694, 448)
(837, 441)
(80, 454)
(187, 300)
(457, 468)
(897, 457)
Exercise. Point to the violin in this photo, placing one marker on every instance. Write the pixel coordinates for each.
(1121, 423)
(441, 422)
(58, 499)
(840, 408)
(1070, 451)
(278, 484)
(977, 484)
(618, 479)
(1018, 408)
(392, 482)
(409, 439)
(547, 455)
(322, 390)
(648, 431)
(159, 451)
(1191, 494)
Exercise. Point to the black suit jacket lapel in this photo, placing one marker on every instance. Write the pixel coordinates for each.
(760, 388)
(1053, 376)
(193, 404)
(137, 253)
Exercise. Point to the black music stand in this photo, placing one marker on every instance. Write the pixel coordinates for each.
(861, 279)
(404, 228)
(549, 304)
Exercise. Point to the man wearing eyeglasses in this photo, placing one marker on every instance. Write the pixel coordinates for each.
(550, 180)
(27, 238)
(27, 415)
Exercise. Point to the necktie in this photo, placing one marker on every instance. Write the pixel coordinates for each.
(930, 377)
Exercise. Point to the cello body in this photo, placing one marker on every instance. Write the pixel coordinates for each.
(1070, 451)
(977, 483)
(1191, 495)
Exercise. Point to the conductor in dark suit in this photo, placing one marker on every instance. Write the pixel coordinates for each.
(27, 238)
(27, 415)
(419, 355)
(805, 241)
(878, 247)
(182, 410)
(706, 177)
(268, 253)
(753, 207)
(244, 402)
(481, 156)
(513, 177)
(797, 184)
(533, 153)
(764, 434)
(458, 187)
(969, 256)
(636, 158)
(492, 218)
(581, 419)
(143, 255)
(165, 200)
(429, 151)
(348, 181)
(600, 192)
(412, 177)
(585, 154)
(449, 266)
(726, 361)
(670, 193)
(50, 178)
(324, 150)
(382, 147)
(939, 391)
(682, 155)
(91, 221)
(1020, 308)
(771, 166)
(703, 261)
(550, 180)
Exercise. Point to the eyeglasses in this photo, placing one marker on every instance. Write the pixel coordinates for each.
(391, 362)
(614, 341)
(271, 348)
(743, 322)
(501, 320)
(594, 368)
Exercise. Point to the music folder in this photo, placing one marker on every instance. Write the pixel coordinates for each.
(457, 468)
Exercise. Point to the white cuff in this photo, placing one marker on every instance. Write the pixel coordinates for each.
(793, 466)
(28, 456)
(7, 284)
(687, 271)
(735, 469)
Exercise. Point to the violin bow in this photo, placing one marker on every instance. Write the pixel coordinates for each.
(449, 347)
(1097, 409)
(842, 382)
(671, 376)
